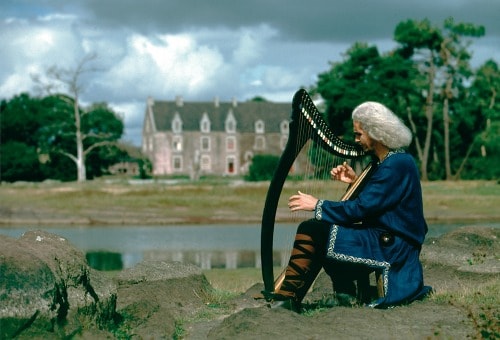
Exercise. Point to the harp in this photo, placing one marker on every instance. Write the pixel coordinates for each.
(306, 124)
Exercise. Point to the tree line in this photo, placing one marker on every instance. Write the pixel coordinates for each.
(451, 108)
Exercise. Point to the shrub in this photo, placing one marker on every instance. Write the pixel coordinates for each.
(262, 168)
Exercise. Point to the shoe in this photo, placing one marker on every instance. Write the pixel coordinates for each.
(285, 303)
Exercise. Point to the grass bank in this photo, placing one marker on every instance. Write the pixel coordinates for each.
(102, 202)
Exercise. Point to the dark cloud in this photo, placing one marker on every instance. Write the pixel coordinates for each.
(315, 20)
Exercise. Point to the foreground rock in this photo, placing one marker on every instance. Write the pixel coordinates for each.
(155, 296)
(47, 290)
(47, 287)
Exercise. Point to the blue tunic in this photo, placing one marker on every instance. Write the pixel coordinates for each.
(383, 228)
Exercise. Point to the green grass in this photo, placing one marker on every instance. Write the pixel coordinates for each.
(461, 200)
(212, 200)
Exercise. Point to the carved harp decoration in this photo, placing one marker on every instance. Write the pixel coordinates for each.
(306, 124)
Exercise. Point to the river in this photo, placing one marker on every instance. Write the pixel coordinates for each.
(209, 246)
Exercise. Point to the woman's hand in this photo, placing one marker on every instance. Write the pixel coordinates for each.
(343, 173)
(302, 201)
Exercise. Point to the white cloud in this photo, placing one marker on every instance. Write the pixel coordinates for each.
(252, 44)
(161, 65)
(29, 48)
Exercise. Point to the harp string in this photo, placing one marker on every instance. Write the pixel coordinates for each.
(314, 172)
(306, 126)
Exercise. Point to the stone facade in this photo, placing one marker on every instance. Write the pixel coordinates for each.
(214, 138)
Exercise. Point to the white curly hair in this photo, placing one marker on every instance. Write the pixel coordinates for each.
(382, 124)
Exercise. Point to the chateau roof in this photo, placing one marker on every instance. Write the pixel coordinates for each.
(245, 114)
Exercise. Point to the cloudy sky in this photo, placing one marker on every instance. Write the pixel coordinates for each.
(201, 49)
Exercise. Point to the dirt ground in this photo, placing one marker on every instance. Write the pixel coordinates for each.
(457, 264)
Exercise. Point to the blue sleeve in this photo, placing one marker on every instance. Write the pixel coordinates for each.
(383, 192)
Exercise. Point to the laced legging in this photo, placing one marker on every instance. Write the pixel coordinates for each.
(306, 260)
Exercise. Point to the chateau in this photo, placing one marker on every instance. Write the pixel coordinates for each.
(217, 138)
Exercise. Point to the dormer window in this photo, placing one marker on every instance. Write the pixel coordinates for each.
(205, 123)
(177, 123)
(259, 126)
(230, 123)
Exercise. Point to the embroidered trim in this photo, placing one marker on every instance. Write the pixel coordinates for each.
(390, 153)
(318, 210)
(385, 266)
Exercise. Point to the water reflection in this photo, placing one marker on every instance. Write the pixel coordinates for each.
(209, 246)
(104, 260)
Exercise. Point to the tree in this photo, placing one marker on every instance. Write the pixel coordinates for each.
(21, 118)
(366, 75)
(456, 70)
(482, 158)
(421, 40)
(347, 84)
(101, 128)
(36, 132)
(88, 132)
(424, 80)
(442, 56)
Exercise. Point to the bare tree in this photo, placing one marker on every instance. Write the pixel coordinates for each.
(69, 81)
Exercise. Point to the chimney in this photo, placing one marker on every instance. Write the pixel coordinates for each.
(216, 101)
(179, 101)
(235, 102)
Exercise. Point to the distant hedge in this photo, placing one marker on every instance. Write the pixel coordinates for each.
(262, 168)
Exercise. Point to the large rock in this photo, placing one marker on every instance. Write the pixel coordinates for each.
(469, 249)
(47, 290)
(154, 296)
(46, 287)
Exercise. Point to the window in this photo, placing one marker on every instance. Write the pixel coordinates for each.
(177, 160)
(205, 124)
(205, 143)
(260, 143)
(177, 143)
(177, 123)
(231, 143)
(259, 126)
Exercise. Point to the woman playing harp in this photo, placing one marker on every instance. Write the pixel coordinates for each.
(382, 228)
